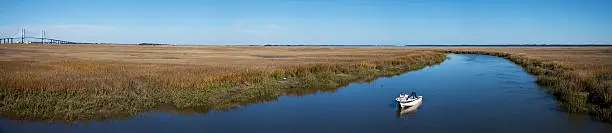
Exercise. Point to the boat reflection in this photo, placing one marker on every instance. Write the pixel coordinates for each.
(407, 111)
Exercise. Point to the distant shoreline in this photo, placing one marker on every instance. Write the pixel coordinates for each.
(342, 45)
(441, 45)
(445, 45)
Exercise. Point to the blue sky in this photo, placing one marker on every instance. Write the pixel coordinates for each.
(313, 22)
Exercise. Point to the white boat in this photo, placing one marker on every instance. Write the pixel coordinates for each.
(406, 100)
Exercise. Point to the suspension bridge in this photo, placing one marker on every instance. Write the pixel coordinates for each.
(43, 39)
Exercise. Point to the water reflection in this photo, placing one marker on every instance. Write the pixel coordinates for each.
(407, 112)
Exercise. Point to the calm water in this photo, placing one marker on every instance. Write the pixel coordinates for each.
(468, 93)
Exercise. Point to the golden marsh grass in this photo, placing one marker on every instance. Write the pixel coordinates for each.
(80, 82)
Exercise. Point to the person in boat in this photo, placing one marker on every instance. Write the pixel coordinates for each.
(413, 95)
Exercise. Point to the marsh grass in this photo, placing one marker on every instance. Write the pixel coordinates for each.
(579, 78)
(60, 88)
(85, 82)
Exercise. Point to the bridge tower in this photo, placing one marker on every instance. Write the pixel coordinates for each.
(23, 36)
(42, 36)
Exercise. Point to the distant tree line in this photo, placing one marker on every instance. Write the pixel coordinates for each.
(152, 44)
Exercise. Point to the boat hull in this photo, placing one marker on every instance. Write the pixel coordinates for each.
(408, 111)
(411, 103)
